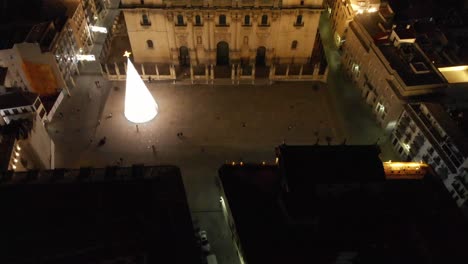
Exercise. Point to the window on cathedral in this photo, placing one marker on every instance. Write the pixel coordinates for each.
(299, 21)
(197, 20)
(149, 43)
(247, 20)
(222, 20)
(264, 21)
(180, 20)
(294, 45)
(144, 20)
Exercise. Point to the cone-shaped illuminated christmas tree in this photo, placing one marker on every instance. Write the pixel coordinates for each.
(140, 106)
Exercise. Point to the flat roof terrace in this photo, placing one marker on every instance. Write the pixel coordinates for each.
(401, 59)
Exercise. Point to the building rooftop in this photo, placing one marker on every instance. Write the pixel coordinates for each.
(407, 59)
(113, 215)
(16, 99)
(401, 59)
(454, 122)
(366, 221)
(337, 163)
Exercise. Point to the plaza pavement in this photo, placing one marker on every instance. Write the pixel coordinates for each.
(211, 118)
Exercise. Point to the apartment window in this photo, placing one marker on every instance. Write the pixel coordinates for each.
(144, 20)
(264, 20)
(302, 2)
(142, 2)
(299, 20)
(149, 43)
(180, 20)
(247, 20)
(15, 111)
(222, 20)
(294, 45)
(197, 20)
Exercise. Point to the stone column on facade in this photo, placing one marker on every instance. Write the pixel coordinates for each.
(107, 70)
(271, 75)
(142, 70)
(233, 73)
(117, 69)
(212, 73)
(287, 71)
(207, 74)
(316, 71)
(172, 71)
(191, 73)
(300, 71)
(157, 71)
(325, 75)
(253, 71)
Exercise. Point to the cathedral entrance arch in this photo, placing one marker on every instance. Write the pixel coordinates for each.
(184, 56)
(222, 53)
(260, 58)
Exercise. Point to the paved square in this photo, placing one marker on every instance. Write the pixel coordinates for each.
(220, 123)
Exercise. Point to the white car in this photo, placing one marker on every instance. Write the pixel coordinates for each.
(205, 245)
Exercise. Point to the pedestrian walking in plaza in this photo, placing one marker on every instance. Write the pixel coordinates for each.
(137, 128)
(149, 79)
(99, 122)
(109, 116)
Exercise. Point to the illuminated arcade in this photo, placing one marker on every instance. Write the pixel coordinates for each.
(140, 106)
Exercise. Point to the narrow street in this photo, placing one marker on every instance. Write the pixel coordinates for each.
(356, 116)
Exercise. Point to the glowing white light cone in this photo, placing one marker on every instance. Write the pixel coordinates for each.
(140, 106)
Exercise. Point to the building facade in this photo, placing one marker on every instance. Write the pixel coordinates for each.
(222, 32)
(388, 68)
(344, 11)
(432, 133)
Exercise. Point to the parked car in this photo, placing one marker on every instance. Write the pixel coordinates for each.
(205, 244)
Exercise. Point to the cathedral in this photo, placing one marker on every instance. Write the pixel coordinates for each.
(260, 32)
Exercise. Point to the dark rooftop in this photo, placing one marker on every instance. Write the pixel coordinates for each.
(132, 215)
(400, 60)
(16, 99)
(366, 221)
(454, 123)
(307, 165)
